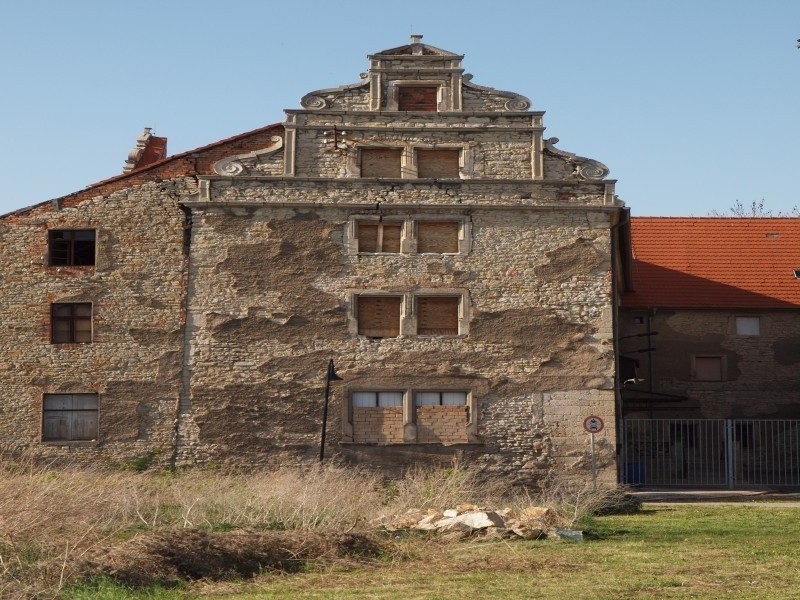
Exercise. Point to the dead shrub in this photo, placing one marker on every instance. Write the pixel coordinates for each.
(171, 557)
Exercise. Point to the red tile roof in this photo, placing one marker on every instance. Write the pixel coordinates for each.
(712, 262)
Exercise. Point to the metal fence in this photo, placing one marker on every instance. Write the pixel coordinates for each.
(728, 453)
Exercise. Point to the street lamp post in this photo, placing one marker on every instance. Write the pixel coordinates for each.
(330, 376)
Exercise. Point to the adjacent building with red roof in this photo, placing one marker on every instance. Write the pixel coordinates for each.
(709, 330)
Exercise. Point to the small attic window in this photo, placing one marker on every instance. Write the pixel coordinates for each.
(796, 273)
(420, 98)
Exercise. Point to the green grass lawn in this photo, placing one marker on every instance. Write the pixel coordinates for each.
(677, 551)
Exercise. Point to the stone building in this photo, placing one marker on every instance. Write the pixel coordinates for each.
(710, 336)
(415, 227)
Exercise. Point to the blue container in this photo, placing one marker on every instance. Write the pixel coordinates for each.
(634, 474)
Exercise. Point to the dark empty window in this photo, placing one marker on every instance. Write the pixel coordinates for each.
(71, 323)
(70, 417)
(437, 236)
(379, 236)
(381, 162)
(71, 247)
(379, 316)
(438, 163)
(437, 315)
(412, 97)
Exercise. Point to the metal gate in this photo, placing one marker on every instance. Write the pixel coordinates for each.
(729, 453)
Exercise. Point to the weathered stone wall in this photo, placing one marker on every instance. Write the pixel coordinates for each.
(137, 292)
(760, 378)
(269, 305)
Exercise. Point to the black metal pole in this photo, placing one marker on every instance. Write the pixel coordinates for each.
(329, 376)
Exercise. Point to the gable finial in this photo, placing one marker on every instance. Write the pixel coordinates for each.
(416, 38)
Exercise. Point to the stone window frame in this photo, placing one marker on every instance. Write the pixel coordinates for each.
(409, 410)
(71, 248)
(408, 239)
(70, 441)
(408, 158)
(408, 311)
(723, 367)
(444, 101)
(71, 319)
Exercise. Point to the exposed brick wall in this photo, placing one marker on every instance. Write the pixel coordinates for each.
(442, 424)
(377, 425)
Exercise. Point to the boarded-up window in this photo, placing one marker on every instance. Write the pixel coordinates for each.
(71, 247)
(379, 399)
(437, 315)
(412, 97)
(379, 316)
(437, 236)
(379, 236)
(441, 398)
(381, 162)
(71, 322)
(708, 368)
(441, 164)
(70, 417)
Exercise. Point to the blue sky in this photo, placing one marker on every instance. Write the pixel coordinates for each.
(692, 104)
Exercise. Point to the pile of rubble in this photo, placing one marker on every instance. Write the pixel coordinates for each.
(464, 520)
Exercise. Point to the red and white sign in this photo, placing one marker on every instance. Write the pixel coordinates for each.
(593, 424)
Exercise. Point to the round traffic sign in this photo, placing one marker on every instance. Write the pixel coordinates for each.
(593, 424)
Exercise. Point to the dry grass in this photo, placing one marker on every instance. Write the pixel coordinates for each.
(56, 526)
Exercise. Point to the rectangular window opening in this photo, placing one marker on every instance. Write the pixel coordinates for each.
(708, 368)
(70, 417)
(748, 326)
(440, 398)
(379, 236)
(438, 164)
(378, 316)
(381, 162)
(71, 247)
(437, 315)
(438, 237)
(419, 98)
(71, 322)
(391, 399)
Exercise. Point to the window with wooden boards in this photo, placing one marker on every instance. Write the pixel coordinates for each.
(379, 236)
(437, 315)
(437, 237)
(417, 97)
(438, 163)
(381, 162)
(70, 417)
(378, 316)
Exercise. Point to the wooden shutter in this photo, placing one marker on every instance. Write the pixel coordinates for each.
(368, 236)
(380, 162)
(437, 315)
(374, 236)
(390, 237)
(438, 164)
(412, 97)
(379, 316)
(437, 236)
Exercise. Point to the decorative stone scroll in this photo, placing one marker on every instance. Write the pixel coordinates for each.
(585, 168)
(516, 102)
(316, 100)
(232, 165)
